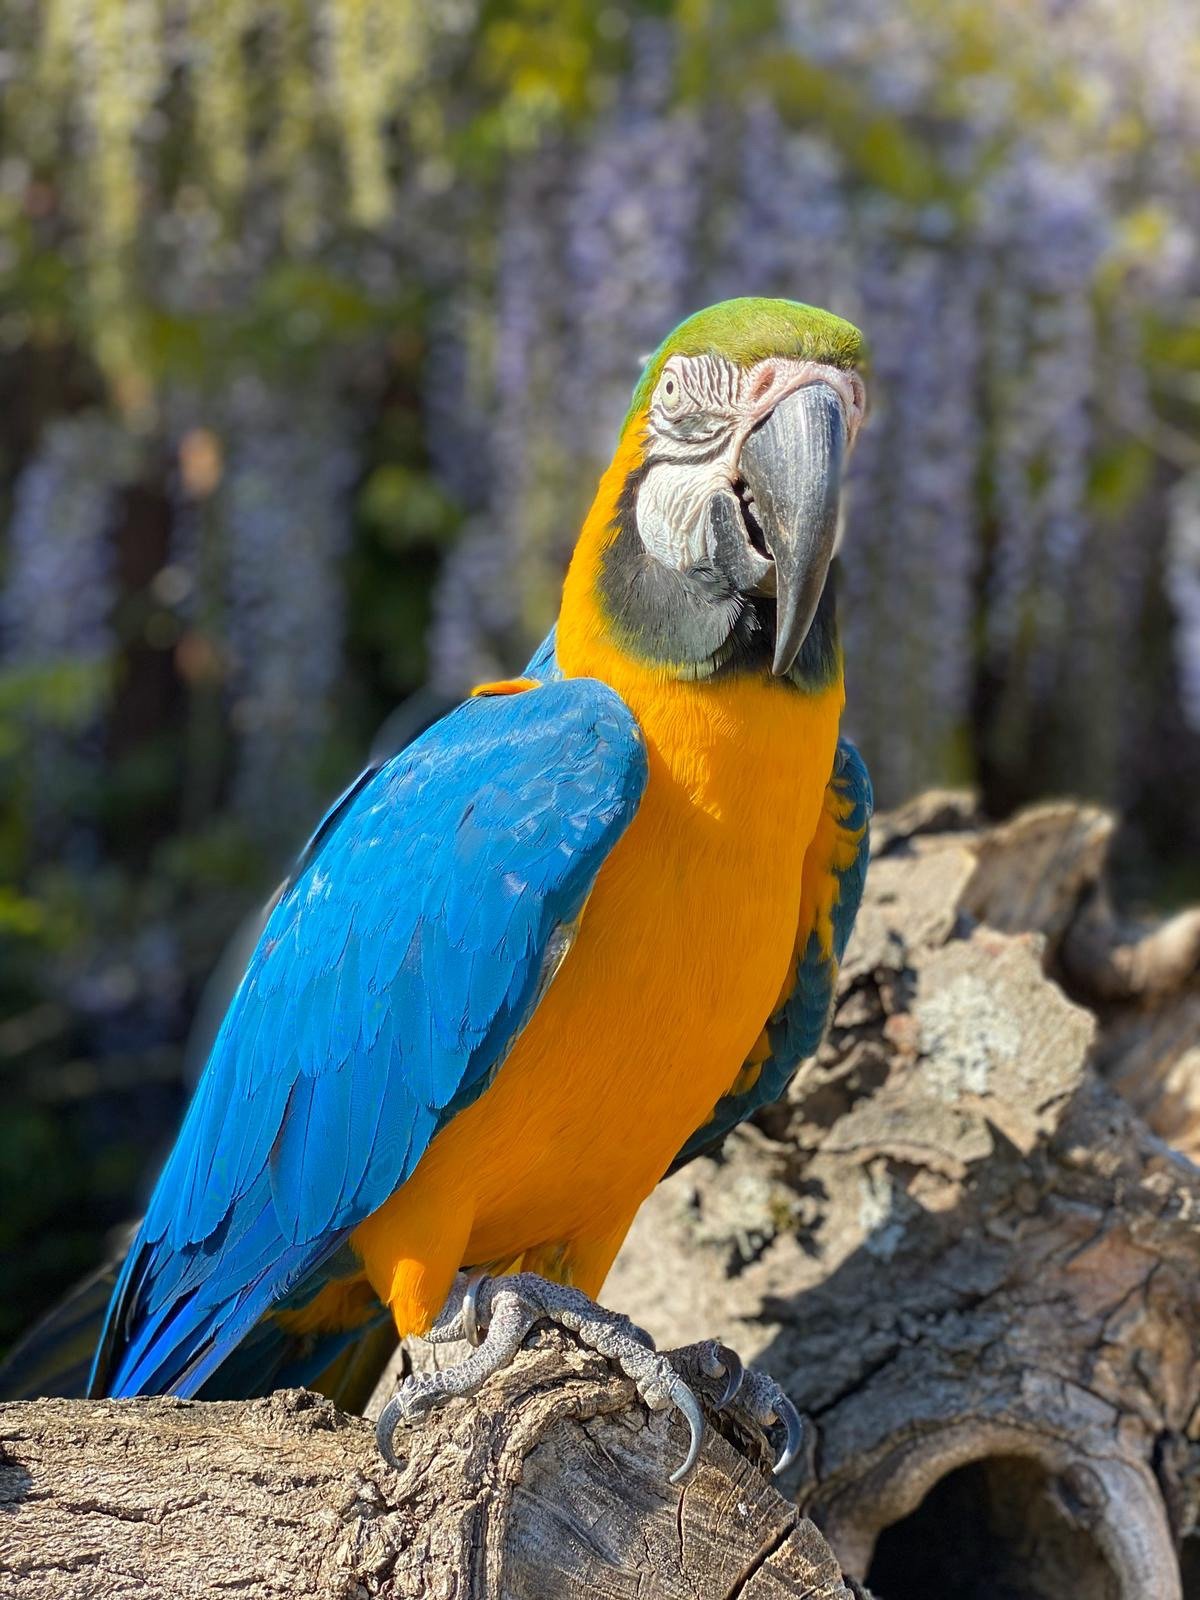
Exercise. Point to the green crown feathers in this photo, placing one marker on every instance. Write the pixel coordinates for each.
(749, 329)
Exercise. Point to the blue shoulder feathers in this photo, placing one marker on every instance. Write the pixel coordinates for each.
(400, 962)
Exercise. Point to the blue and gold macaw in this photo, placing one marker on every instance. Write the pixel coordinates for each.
(567, 939)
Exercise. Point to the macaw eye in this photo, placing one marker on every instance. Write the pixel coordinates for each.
(670, 393)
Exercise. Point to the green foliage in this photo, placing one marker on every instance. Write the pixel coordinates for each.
(1120, 475)
(403, 508)
(63, 695)
(878, 148)
(21, 916)
(38, 704)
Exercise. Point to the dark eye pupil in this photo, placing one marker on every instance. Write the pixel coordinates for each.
(670, 388)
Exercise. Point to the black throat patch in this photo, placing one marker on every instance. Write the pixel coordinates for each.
(698, 623)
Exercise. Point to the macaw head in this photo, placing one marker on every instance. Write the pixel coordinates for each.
(720, 511)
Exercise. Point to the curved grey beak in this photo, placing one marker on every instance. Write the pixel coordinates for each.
(792, 465)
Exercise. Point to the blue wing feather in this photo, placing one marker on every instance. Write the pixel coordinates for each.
(796, 1029)
(400, 961)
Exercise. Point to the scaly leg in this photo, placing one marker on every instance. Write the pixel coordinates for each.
(496, 1314)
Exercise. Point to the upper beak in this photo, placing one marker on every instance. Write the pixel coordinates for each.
(792, 465)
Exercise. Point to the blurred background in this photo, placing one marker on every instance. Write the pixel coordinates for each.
(317, 320)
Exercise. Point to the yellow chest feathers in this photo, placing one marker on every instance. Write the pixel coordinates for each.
(680, 954)
(712, 862)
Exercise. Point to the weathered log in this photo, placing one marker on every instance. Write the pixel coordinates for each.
(964, 1256)
(968, 1259)
(552, 1483)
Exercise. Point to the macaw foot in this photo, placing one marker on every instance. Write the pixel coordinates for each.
(496, 1313)
(749, 1397)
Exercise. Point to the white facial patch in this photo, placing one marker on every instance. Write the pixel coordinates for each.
(672, 511)
(702, 410)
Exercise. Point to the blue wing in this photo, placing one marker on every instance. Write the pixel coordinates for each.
(400, 962)
(834, 878)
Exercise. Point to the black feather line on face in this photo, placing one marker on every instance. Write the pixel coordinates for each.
(698, 623)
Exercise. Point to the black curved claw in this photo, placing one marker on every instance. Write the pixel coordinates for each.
(472, 1328)
(735, 1376)
(385, 1431)
(686, 1401)
(794, 1428)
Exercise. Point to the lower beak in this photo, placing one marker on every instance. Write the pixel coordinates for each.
(792, 465)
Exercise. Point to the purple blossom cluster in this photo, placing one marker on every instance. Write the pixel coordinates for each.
(1004, 222)
(1005, 368)
(56, 610)
(1046, 232)
(58, 596)
(285, 514)
(594, 264)
(911, 548)
(630, 222)
(1183, 586)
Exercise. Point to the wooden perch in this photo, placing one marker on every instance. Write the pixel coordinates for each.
(552, 1483)
(973, 1264)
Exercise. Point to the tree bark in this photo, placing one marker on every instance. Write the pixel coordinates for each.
(552, 1483)
(969, 1260)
